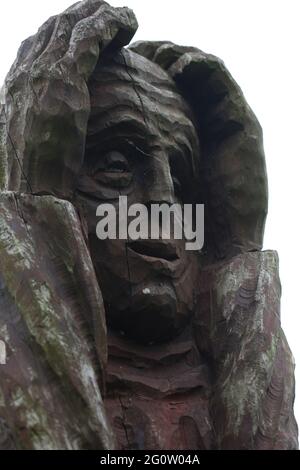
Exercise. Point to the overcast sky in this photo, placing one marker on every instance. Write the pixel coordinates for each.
(259, 42)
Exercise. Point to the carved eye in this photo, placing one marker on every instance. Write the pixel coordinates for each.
(117, 167)
(113, 170)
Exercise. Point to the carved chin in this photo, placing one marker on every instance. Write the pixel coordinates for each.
(153, 315)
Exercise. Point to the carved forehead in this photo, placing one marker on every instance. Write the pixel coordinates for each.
(128, 88)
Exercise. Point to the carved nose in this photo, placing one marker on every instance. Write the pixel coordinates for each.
(159, 194)
(161, 188)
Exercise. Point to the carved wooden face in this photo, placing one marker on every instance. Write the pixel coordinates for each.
(141, 143)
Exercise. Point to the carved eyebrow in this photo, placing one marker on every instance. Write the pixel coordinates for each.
(123, 124)
(141, 151)
(107, 125)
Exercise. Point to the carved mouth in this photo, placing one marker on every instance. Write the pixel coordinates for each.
(155, 249)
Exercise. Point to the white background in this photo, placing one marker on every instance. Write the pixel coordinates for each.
(259, 41)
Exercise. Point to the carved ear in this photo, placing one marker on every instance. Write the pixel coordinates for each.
(47, 104)
(233, 180)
